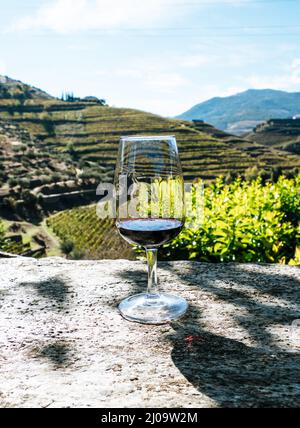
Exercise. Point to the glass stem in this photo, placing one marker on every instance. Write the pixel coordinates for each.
(152, 271)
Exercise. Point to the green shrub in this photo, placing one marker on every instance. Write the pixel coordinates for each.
(77, 254)
(71, 150)
(12, 182)
(24, 183)
(243, 222)
(67, 247)
(29, 198)
(56, 177)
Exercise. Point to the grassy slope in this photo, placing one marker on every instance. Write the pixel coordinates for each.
(94, 133)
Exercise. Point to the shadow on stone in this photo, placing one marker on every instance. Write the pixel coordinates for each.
(270, 283)
(58, 353)
(232, 286)
(227, 370)
(54, 289)
(232, 373)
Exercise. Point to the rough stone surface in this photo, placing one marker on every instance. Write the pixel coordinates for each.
(64, 344)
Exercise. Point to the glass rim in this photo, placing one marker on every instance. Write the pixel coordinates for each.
(148, 138)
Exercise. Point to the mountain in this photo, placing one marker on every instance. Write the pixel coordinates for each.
(239, 114)
(283, 134)
(16, 90)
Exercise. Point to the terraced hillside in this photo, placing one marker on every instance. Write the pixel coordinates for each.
(282, 134)
(93, 237)
(25, 161)
(27, 169)
(90, 133)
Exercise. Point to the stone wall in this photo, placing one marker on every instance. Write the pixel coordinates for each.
(64, 344)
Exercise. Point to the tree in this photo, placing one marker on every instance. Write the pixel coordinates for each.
(49, 127)
(72, 151)
(29, 198)
(276, 173)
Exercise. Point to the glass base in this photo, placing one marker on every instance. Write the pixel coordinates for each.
(153, 309)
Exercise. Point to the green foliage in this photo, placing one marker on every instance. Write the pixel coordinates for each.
(56, 177)
(243, 222)
(69, 97)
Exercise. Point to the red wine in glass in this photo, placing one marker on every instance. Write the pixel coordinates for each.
(149, 232)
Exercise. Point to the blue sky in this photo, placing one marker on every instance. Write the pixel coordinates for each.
(162, 56)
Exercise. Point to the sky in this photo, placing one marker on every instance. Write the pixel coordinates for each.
(161, 56)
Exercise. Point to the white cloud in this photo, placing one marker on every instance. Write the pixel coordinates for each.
(165, 81)
(67, 16)
(232, 90)
(270, 82)
(289, 79)
(131, 73)
(156, 78)
(231, 57)
(296, 66)
(162, 106)
(195, 60)
(174, 105)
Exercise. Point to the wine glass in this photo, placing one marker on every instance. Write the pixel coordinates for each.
(149, 213)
